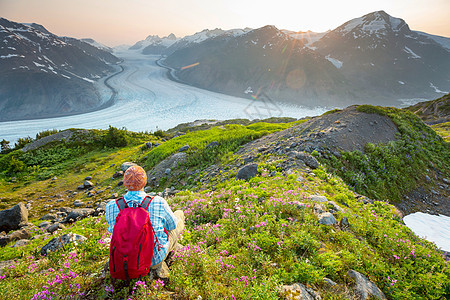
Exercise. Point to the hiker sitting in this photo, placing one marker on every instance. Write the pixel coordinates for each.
(136, 233)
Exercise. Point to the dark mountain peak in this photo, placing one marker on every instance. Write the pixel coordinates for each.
(38, 27)
(152, 38)
(377, 23)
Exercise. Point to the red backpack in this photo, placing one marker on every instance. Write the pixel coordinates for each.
(133, 241)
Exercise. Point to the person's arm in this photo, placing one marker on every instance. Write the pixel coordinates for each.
(171, 220)
(111, 212)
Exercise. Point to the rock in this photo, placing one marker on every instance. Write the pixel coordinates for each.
(120, 183)
(16, 235)
(13, 218)
(248, 160)
(78, 203)
(21, 243)
(54, 178)
(44, 224)
(78, 214)
(317, 198)
(329, 282)
(55, 227)
(100, 209)
(167, 171)
(184, 148)
(309, 160)
(247, 172)
(87, 184)
(334, 206)
(293, 145)
(65, 209)
(212, 144)
(318, 208)
(364, 287)
(148, 145)
(298, 291)
(56, 244)
(88, 178)
(118, 174)
(49, 217)
(326, 218)
(147, 189)
(80, 187)
(157, 144)
(126, 165)
(91, 194)
(427, 178)
(344, 222)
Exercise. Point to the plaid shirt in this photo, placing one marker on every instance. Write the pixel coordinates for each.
(161, 217)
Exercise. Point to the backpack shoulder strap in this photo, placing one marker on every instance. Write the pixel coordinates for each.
(146, 202)
(121, 204)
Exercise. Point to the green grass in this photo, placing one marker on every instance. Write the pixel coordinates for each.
(443, 129)
(243, 239)
(389, 171)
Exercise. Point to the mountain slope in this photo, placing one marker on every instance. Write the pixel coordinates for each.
(262, 61)
(43, 75)
(383, 56)
(291, 222)
(373, 59)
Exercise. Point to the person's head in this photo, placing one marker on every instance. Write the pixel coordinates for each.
(135, 178)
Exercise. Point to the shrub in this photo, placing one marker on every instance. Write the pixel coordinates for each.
(115, 138)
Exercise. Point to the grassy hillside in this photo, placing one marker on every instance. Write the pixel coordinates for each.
(243, 239)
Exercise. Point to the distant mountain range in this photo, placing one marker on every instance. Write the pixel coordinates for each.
(373, 59)
(43, 75)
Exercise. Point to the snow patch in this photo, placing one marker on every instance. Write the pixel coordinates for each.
(11, 55)
(412, 54)
(433, 228)
(436, 89)
(334, 61)
(38, 64)
(88, 80)
(401, 82)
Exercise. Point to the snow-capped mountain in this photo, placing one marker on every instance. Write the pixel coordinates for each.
(382, 56)
(45, 75)
(372, 59)
(96, 44)
(154, 44)
(261, 60)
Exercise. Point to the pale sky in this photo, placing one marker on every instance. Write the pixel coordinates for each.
(115, 22)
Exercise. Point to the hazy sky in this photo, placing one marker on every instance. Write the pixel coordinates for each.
(115, 22)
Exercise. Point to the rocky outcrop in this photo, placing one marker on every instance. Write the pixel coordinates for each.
(364, 287)
(160, 169)
(13, 218)
(61, 242)
(298, 291)
(247, 172)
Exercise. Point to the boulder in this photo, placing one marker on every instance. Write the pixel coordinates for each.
(13, 218)
(317, 198)
(308, 159)
(21, 243)
(78, 203)
(344, 222)
(87, 184)
(49, 217)
(126, 165)
(88, 178)
(44, 224)
(14, 236)
(326, 218)
(298, 291)
(184, 148)
(78, 214)
(60, 242)
(148, 145)
(247, 172)
(364, 287)
(118, 174)
(212, 144)
(100, 209)
(55, 226)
